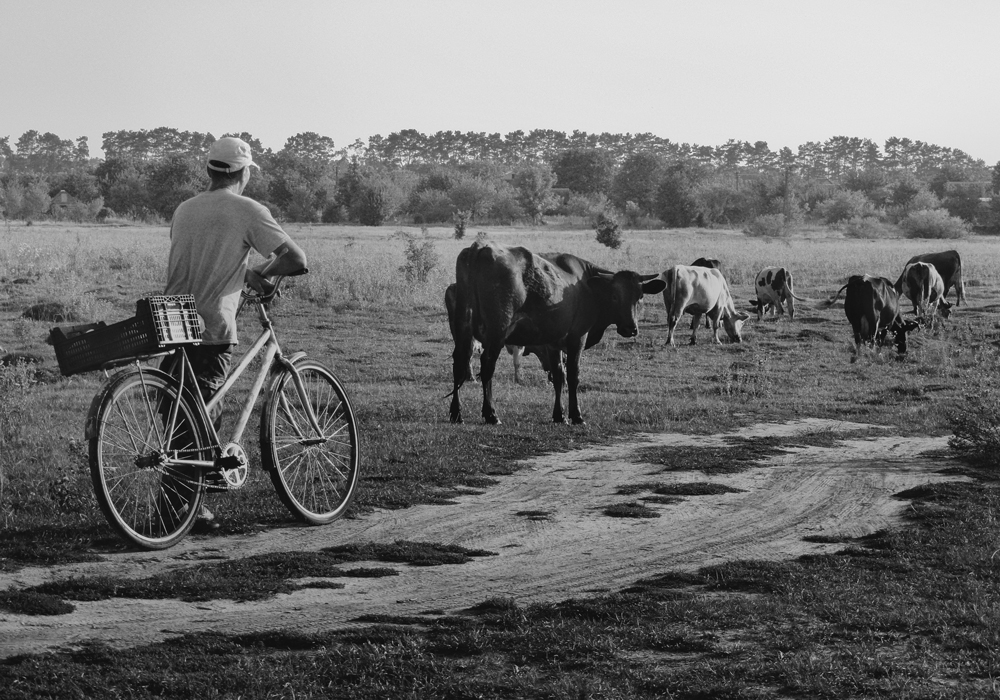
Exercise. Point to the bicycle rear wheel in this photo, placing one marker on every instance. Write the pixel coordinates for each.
(149, 501)
(315, 476)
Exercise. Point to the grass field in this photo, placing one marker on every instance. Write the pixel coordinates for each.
(908, 613)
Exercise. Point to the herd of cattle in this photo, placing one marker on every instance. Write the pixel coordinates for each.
(557, 305)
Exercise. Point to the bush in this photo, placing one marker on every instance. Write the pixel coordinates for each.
(976, 427)
(608, 232)
(844, 206)
(869, 227)
(768, 226)
(461, 220)
(934, 223)
(421, 260)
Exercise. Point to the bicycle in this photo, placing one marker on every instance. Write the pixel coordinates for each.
(154, 451)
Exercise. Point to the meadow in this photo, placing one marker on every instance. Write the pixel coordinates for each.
(905, 613)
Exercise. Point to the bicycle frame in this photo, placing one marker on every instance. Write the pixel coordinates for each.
(273, 357)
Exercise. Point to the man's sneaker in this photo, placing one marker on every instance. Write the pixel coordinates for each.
(205, 522)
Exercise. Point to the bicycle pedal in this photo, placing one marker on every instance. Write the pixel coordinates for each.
(216, 481)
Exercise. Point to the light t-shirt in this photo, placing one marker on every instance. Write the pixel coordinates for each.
(211, 235)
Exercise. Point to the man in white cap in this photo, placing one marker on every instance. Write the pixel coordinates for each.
(211, 236)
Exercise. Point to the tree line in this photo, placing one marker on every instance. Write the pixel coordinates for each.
(641, 180)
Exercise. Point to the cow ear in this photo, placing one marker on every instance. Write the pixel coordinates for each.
(654, 286)
(945, 304)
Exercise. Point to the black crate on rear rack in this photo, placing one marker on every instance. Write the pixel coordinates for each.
(160, 322)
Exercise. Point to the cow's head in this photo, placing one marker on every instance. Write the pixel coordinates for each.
(733, 323)
(899, 329)
(623, 291)
(944, 308)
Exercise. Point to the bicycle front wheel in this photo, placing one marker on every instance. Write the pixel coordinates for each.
(314, 475)
(149, 501)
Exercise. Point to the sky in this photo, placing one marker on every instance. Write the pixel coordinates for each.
(698, 71)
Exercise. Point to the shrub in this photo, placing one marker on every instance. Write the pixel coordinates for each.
(976, 427)
(844, 206)
(933, 223)
(767, 226)
(608, 232)
(461, 219)
(421, 260)
(869, 227)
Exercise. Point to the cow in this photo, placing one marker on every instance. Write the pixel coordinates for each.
(698, 291)
(555, 304)
(872, 308)
(715, 265)
(516, 351)
(949, 265)
(774, 287)
(922, 284)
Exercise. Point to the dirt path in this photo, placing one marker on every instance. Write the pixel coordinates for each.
(842, 491)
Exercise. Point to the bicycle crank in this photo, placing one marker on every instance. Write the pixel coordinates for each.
(234, 465)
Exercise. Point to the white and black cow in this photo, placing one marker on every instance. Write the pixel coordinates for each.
(774, 289)
(700, 291)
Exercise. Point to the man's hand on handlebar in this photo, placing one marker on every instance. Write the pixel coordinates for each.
(257, 282)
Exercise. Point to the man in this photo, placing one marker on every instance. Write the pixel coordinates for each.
(211, 236)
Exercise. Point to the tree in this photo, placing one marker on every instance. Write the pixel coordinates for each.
(533, 185)
(637, 181)
(995, 178)
(676, 205)
(584, 170)
(310, 146)
(173, 179)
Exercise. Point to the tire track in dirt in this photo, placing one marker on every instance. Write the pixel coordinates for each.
(844, 491)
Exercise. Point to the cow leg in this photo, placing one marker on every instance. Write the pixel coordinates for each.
(558, 378)
(695, 324)
(671, 325)
(461, 369)
(574, 349)
(488, 365)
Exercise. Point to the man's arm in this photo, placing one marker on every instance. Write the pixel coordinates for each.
(288, 259)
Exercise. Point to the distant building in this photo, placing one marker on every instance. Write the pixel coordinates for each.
(62, 200)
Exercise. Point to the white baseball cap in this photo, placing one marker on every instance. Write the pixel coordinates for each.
(234, 152)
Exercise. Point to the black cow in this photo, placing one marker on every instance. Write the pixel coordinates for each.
(948, 264)
(516, 351)
(872, 307)
(552, 304)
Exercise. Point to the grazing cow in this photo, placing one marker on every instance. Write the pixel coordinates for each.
(516, 351)
(697, 291)
(922, 284)
(774, 287)
(872, 307)
(949, 265)
(715, 265)
(551, 304)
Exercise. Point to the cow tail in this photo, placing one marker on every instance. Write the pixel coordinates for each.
(833, 301)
